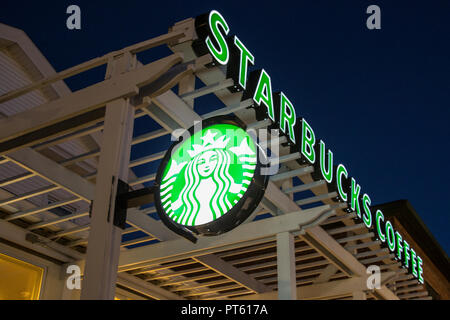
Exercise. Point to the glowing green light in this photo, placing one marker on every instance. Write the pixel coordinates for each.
(208, 174)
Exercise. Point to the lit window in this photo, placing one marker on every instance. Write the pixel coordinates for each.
(19, 280)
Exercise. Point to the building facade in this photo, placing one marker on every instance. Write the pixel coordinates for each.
(65, 155)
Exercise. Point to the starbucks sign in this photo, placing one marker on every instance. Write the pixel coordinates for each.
(230, 53)
(209, 181)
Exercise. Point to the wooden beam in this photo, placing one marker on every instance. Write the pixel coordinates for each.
(259, 230)
(51, 78)
(27, 195)
(54, 250)
(146, 288)
(123, 294)
(231, 272)
(153, 227)
(171, 110)
(327, 290)
(50, 170)
(63, 127)
(82, 101)
(17, 178)
(29, 212)
(54, 221)
(326, 274)
(341, 258)
(61, 176)
(359, 295)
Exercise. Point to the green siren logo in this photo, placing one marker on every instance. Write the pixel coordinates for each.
(211, 177)
(208, 176)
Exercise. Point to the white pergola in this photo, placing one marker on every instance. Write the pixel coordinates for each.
(316, 253)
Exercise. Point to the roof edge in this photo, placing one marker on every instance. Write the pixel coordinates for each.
(33, 53)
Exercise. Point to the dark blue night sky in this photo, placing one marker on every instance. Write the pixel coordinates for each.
(380, 99)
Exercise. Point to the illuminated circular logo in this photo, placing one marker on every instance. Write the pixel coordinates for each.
(210, 181)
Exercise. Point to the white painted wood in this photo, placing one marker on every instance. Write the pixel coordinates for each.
(304, 187)
(140, 220)
(84, 100)
(38, 164)
(14, 76)
(359, 295)
(27, 195)
(18, 235)
(52, 77)
(326, 274)
(146, 288)
(340, 257)
(228, 110)
(54, 221)
(327, 290)
(231, 272)
(207, 89)
(104, 237)
(32, 211)
(123, 294)
(293, 173)
(186, 86)
(255, 231)
(287, 289)
(33, 54)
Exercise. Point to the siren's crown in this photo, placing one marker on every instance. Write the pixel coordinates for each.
(209, 143)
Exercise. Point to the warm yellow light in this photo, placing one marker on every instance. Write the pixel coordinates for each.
(19, 280)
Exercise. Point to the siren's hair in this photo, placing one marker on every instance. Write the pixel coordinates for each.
(223, 181)
(219, 203)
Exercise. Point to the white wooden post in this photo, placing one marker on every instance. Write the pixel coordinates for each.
(187, 84)
(287, 287)
(104, 238)
(288, 183)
